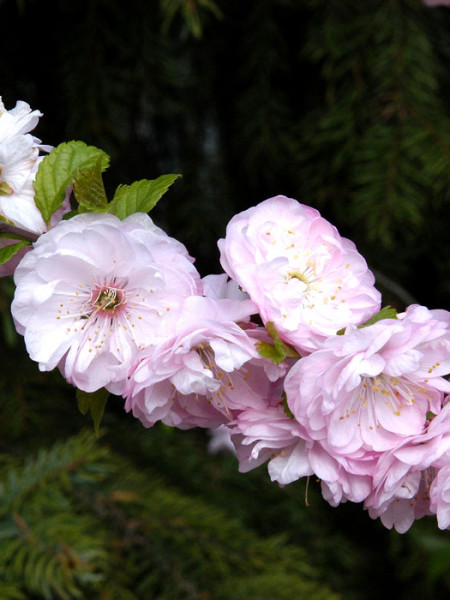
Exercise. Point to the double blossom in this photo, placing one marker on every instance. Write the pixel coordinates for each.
(371, 387)
(205, 372)
(94, 290)
(299, 271)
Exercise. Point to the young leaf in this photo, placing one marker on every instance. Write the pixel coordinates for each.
(387, 312)
(140, 196)
(278, 351)
(8, 251)
(59, 169)
(89, 189)
(94, 402)
(268, 351)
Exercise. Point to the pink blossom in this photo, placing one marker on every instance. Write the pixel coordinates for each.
(205, 370)
(410, 503)
(402, 480)
(440, 495)
(221, 287)
(268, 434)
(342, 477)
(373, 387)
(96, 289)
(299, 271)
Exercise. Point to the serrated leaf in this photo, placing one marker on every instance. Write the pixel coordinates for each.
(58, 170)
(89, 189)
(140, 196)
(94, 402)
(278, 351)
(9, 251)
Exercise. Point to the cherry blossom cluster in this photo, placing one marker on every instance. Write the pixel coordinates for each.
(288, 351)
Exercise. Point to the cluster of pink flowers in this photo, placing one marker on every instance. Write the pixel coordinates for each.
(287, 351)
(364, 409)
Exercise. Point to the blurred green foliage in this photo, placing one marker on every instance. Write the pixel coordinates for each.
(342, 105)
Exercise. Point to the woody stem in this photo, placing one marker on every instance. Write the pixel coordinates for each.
(18, 232)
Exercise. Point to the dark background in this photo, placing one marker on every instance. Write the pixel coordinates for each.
(342, 105)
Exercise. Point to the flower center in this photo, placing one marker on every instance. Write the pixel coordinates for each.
(206, 354)
(378, 395)
(108, 299)
(396, 392)
(299, 275)
(218, 397)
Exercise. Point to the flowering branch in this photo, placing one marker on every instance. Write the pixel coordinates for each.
(330, 385)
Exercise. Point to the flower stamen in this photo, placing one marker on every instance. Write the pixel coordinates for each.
(109, 299)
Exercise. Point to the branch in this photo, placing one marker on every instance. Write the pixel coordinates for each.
(18, 232)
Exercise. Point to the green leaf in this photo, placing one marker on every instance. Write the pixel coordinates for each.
(94, 402)
(387, 312)
(84, 401)
(59, 169)
(89, 189)
(278, 351)
(269, 351)
(8, 251)
(140, 196)
(70, 214)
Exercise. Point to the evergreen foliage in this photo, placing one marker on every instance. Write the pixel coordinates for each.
(265, 140)
(381, 78)
(77, 518)
(377, 144)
